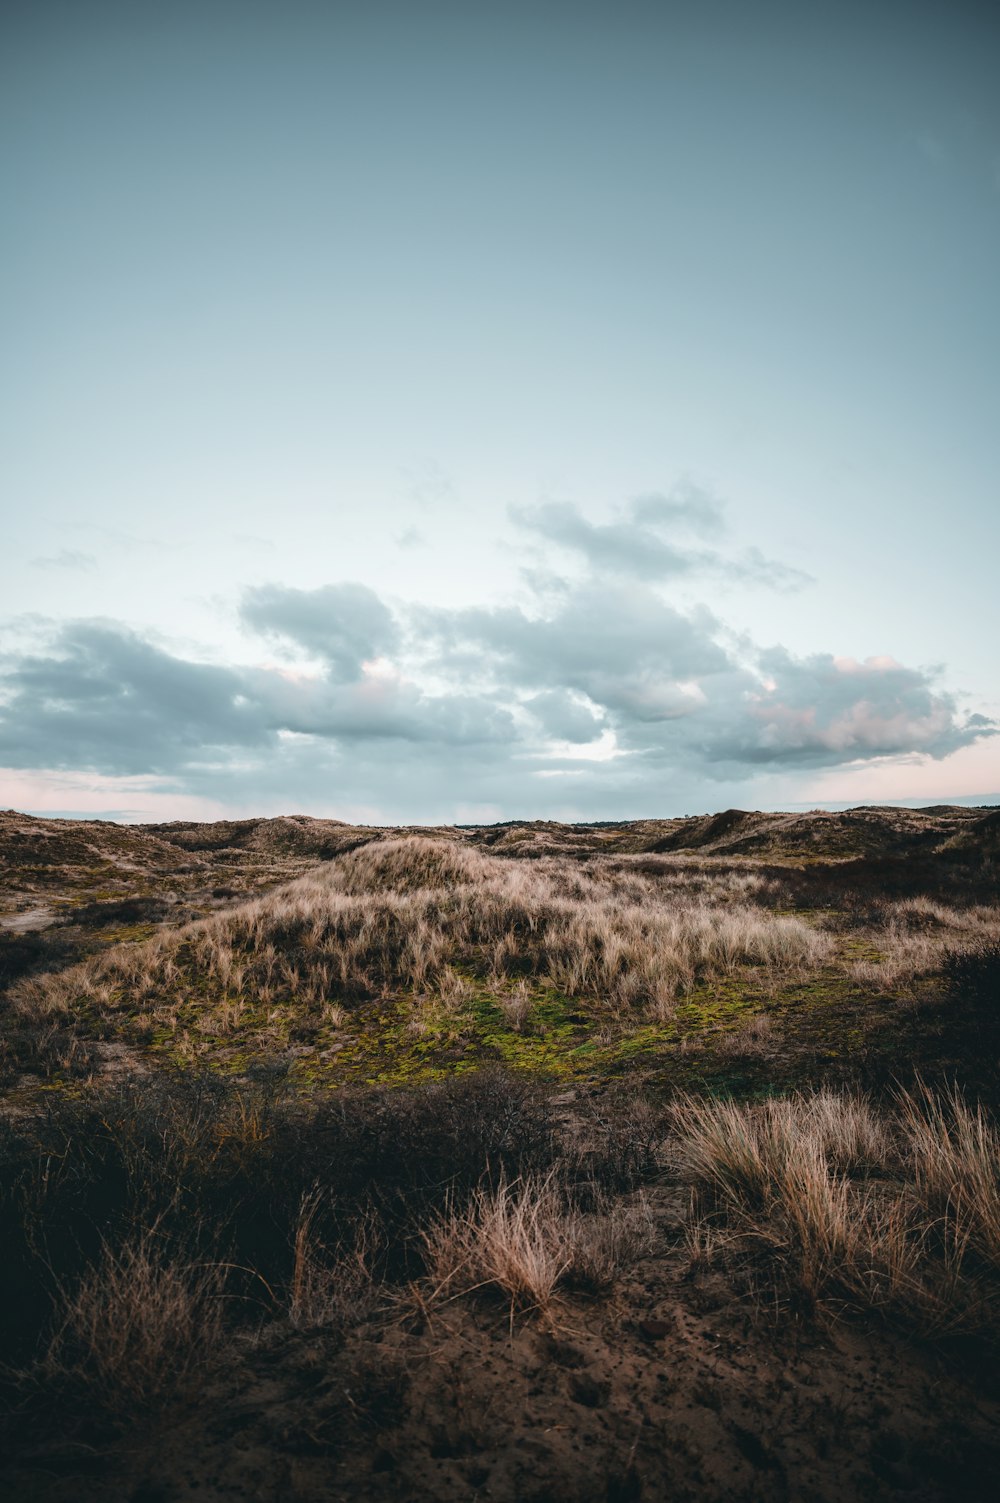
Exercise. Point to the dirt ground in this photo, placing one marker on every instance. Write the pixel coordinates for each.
(682, 1384)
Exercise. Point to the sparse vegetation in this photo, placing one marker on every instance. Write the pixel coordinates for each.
(455, 1119)
(140, 1326)
(527, 1239)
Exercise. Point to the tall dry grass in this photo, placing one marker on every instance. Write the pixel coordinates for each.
(897, 1210)
(331, 1286)
(526, 1239)
(953, 1153)
(404, 914)
(915, 936)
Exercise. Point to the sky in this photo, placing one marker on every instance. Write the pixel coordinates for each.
(462, 412)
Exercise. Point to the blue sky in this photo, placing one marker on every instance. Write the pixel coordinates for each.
(451, 412)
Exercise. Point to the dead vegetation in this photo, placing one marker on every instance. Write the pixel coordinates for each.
(896, 1210)
(139, 1327)
(528, 1239)
(168, 1243)
(413, 915)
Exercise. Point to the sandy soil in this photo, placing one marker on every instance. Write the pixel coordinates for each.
(31, 918)
(678, 1386)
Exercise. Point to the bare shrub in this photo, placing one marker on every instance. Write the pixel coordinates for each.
(330, 1287)
(613, 1141)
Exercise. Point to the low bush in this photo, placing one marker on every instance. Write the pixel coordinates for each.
(221, 1170)
(972, 978)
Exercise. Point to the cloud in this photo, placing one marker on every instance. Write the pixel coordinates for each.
(345, 625)
(429, 484)
(751, 567)
(641, 542)
(596, 685)
(106, 699)
(616, 546)
(674, 694)
(685, 505)
(565, 716)
(820, 711)
(380, 705)
(619, 646)
(66, 558)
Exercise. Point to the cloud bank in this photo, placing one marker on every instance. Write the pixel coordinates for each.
(596, 693)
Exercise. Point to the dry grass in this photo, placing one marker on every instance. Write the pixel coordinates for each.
(137, 1328)
(914, 938)
(954, 1162)
(516, 1005)
(752, 1039)
(414, 914)
(899, 1212)
(745, 1151)
(330, 1287)
(525, 1239)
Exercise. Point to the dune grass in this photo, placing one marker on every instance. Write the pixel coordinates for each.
(428, 918)
(895, 1209)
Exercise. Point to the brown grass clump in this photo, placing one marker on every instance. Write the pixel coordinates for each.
(136, 1329)
(525, 1239)
(899, 1213)
(752, 1039)
(954, 1160)
(745, 1151)
(516, 1006)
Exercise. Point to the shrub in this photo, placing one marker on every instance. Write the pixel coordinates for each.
(972, 978)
